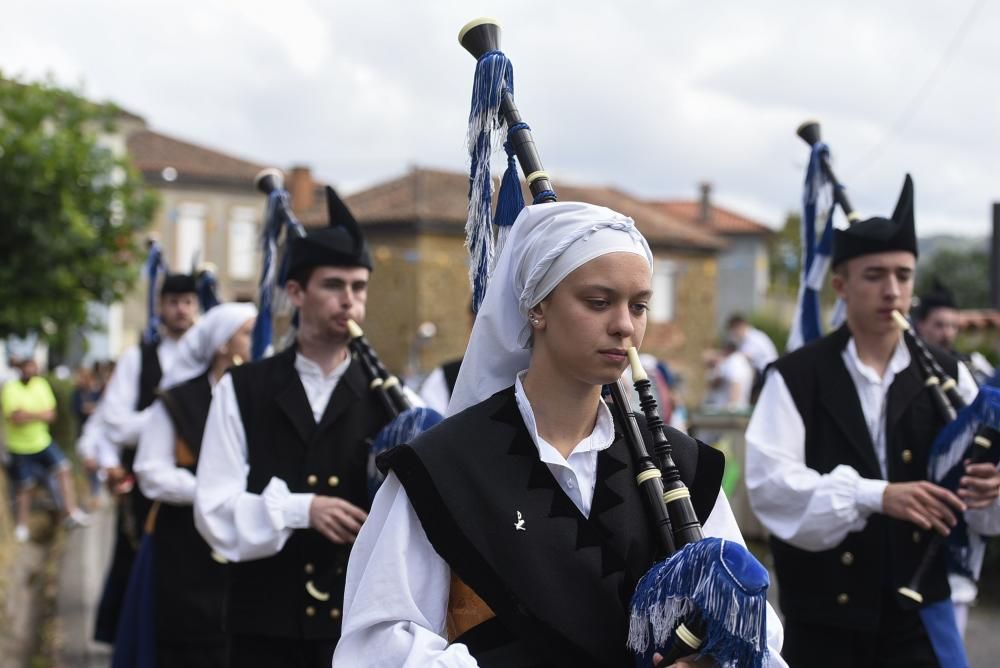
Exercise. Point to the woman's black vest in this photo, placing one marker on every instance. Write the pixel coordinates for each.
(190, 583)
(561, 583)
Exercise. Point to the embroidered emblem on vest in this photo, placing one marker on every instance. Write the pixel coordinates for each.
(519, 524)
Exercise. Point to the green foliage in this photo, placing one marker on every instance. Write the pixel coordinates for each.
(70, 210)
(964, 272)
(65, 427)
(775, 328)
(785, 255)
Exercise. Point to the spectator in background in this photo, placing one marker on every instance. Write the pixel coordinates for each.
(29, 408)
(753, 343)
(666, 390)
(103, 371)
(730, 381)
(86, 394)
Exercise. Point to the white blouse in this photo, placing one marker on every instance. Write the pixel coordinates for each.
(238, 524)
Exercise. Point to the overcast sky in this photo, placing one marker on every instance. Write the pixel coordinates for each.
(652, 97)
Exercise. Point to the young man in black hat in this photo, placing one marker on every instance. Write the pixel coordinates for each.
(837, 453)
(122, 413)
(281, 480)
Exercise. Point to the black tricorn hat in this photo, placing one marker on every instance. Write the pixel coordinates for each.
(939, 296)
(340, 244)
(175, 284)
(879, 235)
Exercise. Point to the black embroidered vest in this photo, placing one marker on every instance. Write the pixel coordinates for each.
(190, 583)
(559, 583)
(270, 596)
(150, 374)
(450, 370)
(846, 586)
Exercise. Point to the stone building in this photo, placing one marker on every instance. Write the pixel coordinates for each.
(209, 212)
(416, 226)
(742, 279)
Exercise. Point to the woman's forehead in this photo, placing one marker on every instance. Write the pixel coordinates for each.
(618, 271)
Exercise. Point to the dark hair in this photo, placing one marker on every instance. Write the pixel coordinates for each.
(928, 304)
(736, 319)
(939, 296)
(302, 276)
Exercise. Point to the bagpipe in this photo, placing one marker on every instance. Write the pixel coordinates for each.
(817, 245)
(406, 419)
(969, 435)
(970, 430)
(708, 596)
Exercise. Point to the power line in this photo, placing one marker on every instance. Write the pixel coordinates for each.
(918, 98)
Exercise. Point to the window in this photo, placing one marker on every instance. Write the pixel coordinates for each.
(661, 306)
(190, 236)
(242, 245)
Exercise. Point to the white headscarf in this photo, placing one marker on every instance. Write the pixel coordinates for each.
(199, 344)
(546, 243)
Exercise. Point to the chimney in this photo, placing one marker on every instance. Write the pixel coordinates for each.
(302, 188)
(705, 203)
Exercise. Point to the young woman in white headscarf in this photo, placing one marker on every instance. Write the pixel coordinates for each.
(513, 534)
(190, 580)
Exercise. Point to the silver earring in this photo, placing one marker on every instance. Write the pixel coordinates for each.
(534, 321)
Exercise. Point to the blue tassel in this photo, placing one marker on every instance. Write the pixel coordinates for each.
(494, 74)
(404, 428)
(154, 264)
(510, 200)
(720, 582)
(278, 216)
(208, 298)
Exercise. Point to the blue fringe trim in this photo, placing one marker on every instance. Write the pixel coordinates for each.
(494, 74)
(404, 428)
(277, 217)
(720, 582)
(208, 298)
(154, 264)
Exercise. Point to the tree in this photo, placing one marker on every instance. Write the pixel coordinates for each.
(964, 272)
(785, 256)
(70, 210)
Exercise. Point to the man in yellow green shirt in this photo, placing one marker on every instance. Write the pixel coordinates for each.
(29, 407)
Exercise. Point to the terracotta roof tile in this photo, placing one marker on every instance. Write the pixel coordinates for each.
(152, 152)
(441, 197)
(979, 319)
(723, 221)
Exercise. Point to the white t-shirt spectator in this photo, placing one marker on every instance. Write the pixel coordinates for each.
(730, 384)
(758, 348)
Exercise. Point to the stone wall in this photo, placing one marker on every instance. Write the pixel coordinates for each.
(681, 342)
